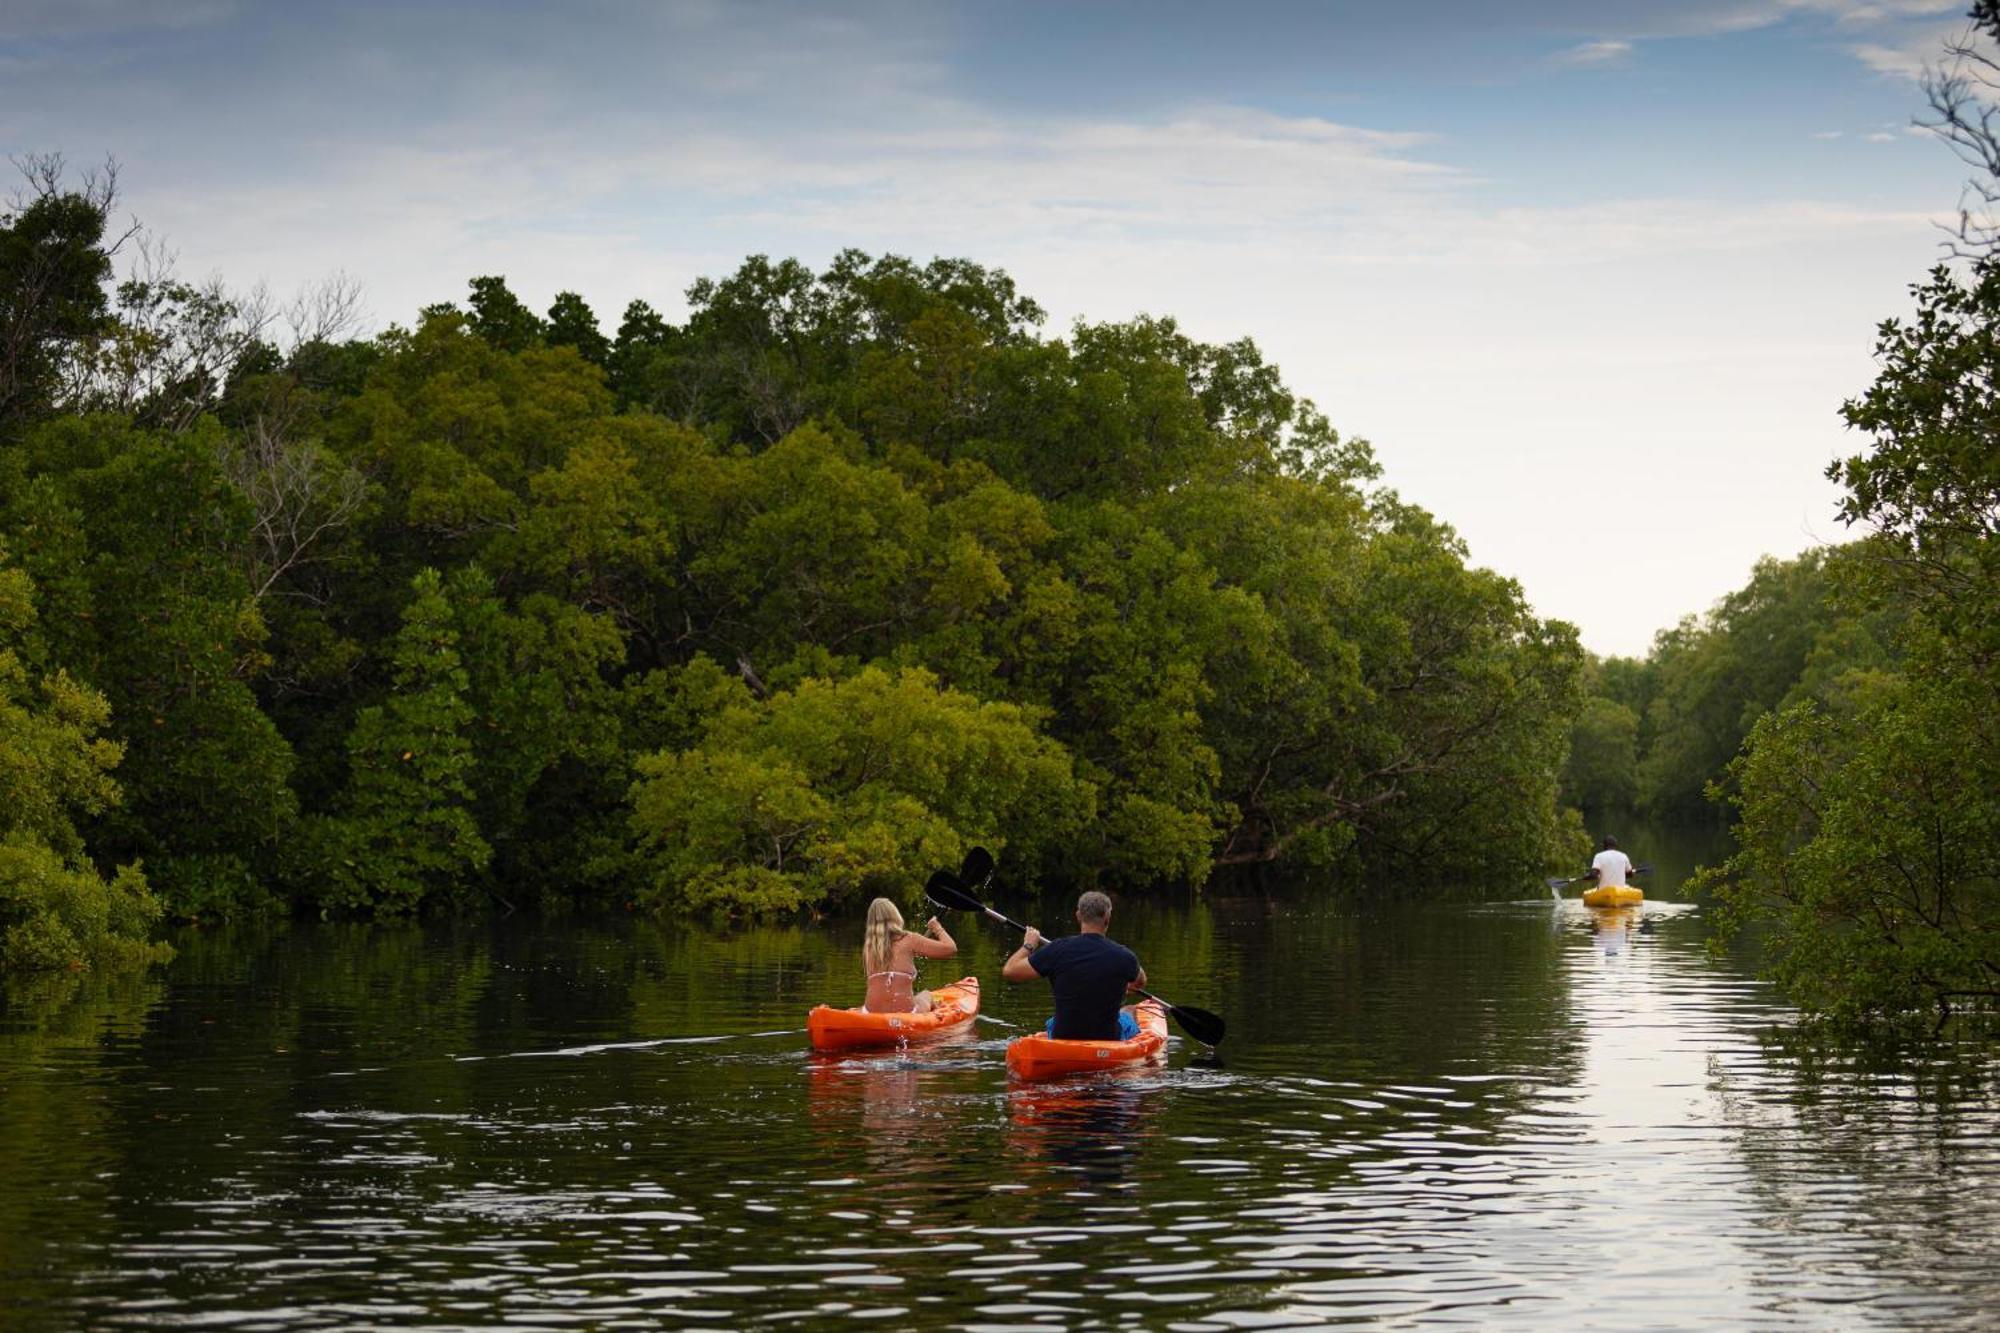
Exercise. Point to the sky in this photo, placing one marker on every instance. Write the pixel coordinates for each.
(1593, 276)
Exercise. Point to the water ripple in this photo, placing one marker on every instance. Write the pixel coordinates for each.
(1531, 1117)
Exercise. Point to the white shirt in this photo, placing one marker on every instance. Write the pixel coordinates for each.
(1611, 866)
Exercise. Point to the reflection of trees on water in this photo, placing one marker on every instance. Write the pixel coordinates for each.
(1674, 848)
(1395, 991)
(1374, 1063)
(196, 1090)
(62, 1038)
(1868, 1163)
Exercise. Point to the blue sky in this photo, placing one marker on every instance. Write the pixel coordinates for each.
(1593, 275)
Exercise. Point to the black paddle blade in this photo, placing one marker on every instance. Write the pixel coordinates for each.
(1200, 1024)
(1559, 883)
(978, 867)
(944, 889)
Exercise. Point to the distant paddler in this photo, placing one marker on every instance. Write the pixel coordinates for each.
(1609, 871)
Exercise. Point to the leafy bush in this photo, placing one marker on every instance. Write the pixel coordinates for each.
(56, 910)
(839, 789)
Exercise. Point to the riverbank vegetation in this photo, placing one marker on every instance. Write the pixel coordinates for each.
(775, 607)
(1840, 709)
(1655, 734)
(1844, 706)
(1868, 813)
(771, 608)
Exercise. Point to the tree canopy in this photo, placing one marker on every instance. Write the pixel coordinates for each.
(772, 607)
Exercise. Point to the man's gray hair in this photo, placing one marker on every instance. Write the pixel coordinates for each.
(1093, 907)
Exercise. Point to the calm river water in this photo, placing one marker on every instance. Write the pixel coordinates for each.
(1521, 1114)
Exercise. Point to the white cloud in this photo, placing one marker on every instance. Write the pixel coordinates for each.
(1909, 60)
(1606, 52)
(1917, 51)
(1903, 36)
(1646, 19)
(1510, 360)
(1830, 134)
(1214, 172)
(1877, 11)
(1217, 171)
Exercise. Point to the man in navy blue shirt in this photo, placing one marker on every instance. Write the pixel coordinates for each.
(1089, 972)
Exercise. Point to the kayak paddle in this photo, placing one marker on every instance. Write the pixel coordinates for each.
(1203, 1026)
(978, 868)
(945, 890)
(1556, 886)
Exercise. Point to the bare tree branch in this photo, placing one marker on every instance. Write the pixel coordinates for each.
(1963, 91)
(324, 312)
(298, 493)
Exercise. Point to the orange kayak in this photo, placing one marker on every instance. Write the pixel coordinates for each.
(1038, 1056)
(952, 1008)
(1613, 895)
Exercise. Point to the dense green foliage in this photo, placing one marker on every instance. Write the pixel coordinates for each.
(1655, 732)
(1869, 817)
(772, 608)
(405, 830)
(56, 910)
(853, 781)
(54, 264)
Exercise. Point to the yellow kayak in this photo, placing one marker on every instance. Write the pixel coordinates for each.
(1612, 895)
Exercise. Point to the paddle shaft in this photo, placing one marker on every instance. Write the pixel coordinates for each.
(1141, 990)
(1578, 879)
(1003, 920)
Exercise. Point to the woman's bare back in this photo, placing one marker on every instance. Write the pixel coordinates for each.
(893, 990)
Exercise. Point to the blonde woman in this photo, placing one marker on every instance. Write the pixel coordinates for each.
(889, 955)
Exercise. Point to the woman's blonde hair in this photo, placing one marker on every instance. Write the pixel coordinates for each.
(878, 941)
